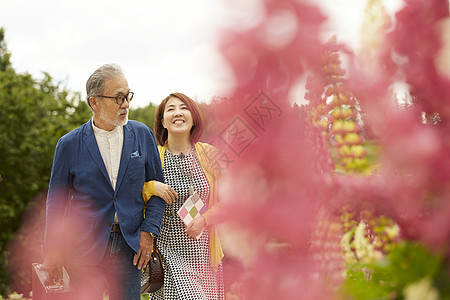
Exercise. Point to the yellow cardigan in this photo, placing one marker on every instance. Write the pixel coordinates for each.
(205, 153)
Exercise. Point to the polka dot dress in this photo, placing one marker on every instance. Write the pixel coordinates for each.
(187, 269)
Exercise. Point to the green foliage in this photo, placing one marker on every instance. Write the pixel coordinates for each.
(145, 115)
(33, 116)
(4, 55)
(406, 266)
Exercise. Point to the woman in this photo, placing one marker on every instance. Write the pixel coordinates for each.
(192, 265)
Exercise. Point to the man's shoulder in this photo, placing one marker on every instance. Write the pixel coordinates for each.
(137, 125)
(73, 134)
(69, 140)
(140, 130)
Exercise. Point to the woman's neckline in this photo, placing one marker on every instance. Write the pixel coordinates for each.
(181, 154)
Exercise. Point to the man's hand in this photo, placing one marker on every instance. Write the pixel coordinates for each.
(53, 265)
(145, 250)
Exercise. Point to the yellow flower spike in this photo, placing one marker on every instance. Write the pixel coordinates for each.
(421, 289)
(350, 167)
(339, 139)
(348, 112)
(357, 151)
(344, 150)
(352, 138)
(349, 126)
(338, 125)
(347, 161)
(336, 112)
(392, 231)
(359, 162)
(337, 101)
(323, 122)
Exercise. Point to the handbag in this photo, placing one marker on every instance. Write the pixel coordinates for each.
(152, 277)
(44, 287)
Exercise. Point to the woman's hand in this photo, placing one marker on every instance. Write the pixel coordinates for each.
(196, 227)
(166, 192)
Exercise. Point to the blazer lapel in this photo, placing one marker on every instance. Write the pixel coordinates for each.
(128, 144)
(91, 145)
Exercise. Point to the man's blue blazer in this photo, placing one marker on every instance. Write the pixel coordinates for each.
(81, 201)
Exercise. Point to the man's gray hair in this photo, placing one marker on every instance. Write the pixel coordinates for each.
(95, 85)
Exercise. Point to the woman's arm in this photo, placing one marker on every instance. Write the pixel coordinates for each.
(156, 188)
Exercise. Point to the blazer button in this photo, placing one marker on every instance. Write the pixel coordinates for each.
(115, 199)
(108, 224)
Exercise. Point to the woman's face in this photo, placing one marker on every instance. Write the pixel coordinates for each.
(177, 118)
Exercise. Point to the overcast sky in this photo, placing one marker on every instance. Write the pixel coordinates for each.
(163, 46)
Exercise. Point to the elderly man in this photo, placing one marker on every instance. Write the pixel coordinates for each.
(95, 212)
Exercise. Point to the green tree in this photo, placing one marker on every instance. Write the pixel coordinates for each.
(34, 114)
(4, 55)
(145, 115)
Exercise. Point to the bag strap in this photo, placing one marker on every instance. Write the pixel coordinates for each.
(154, 245)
